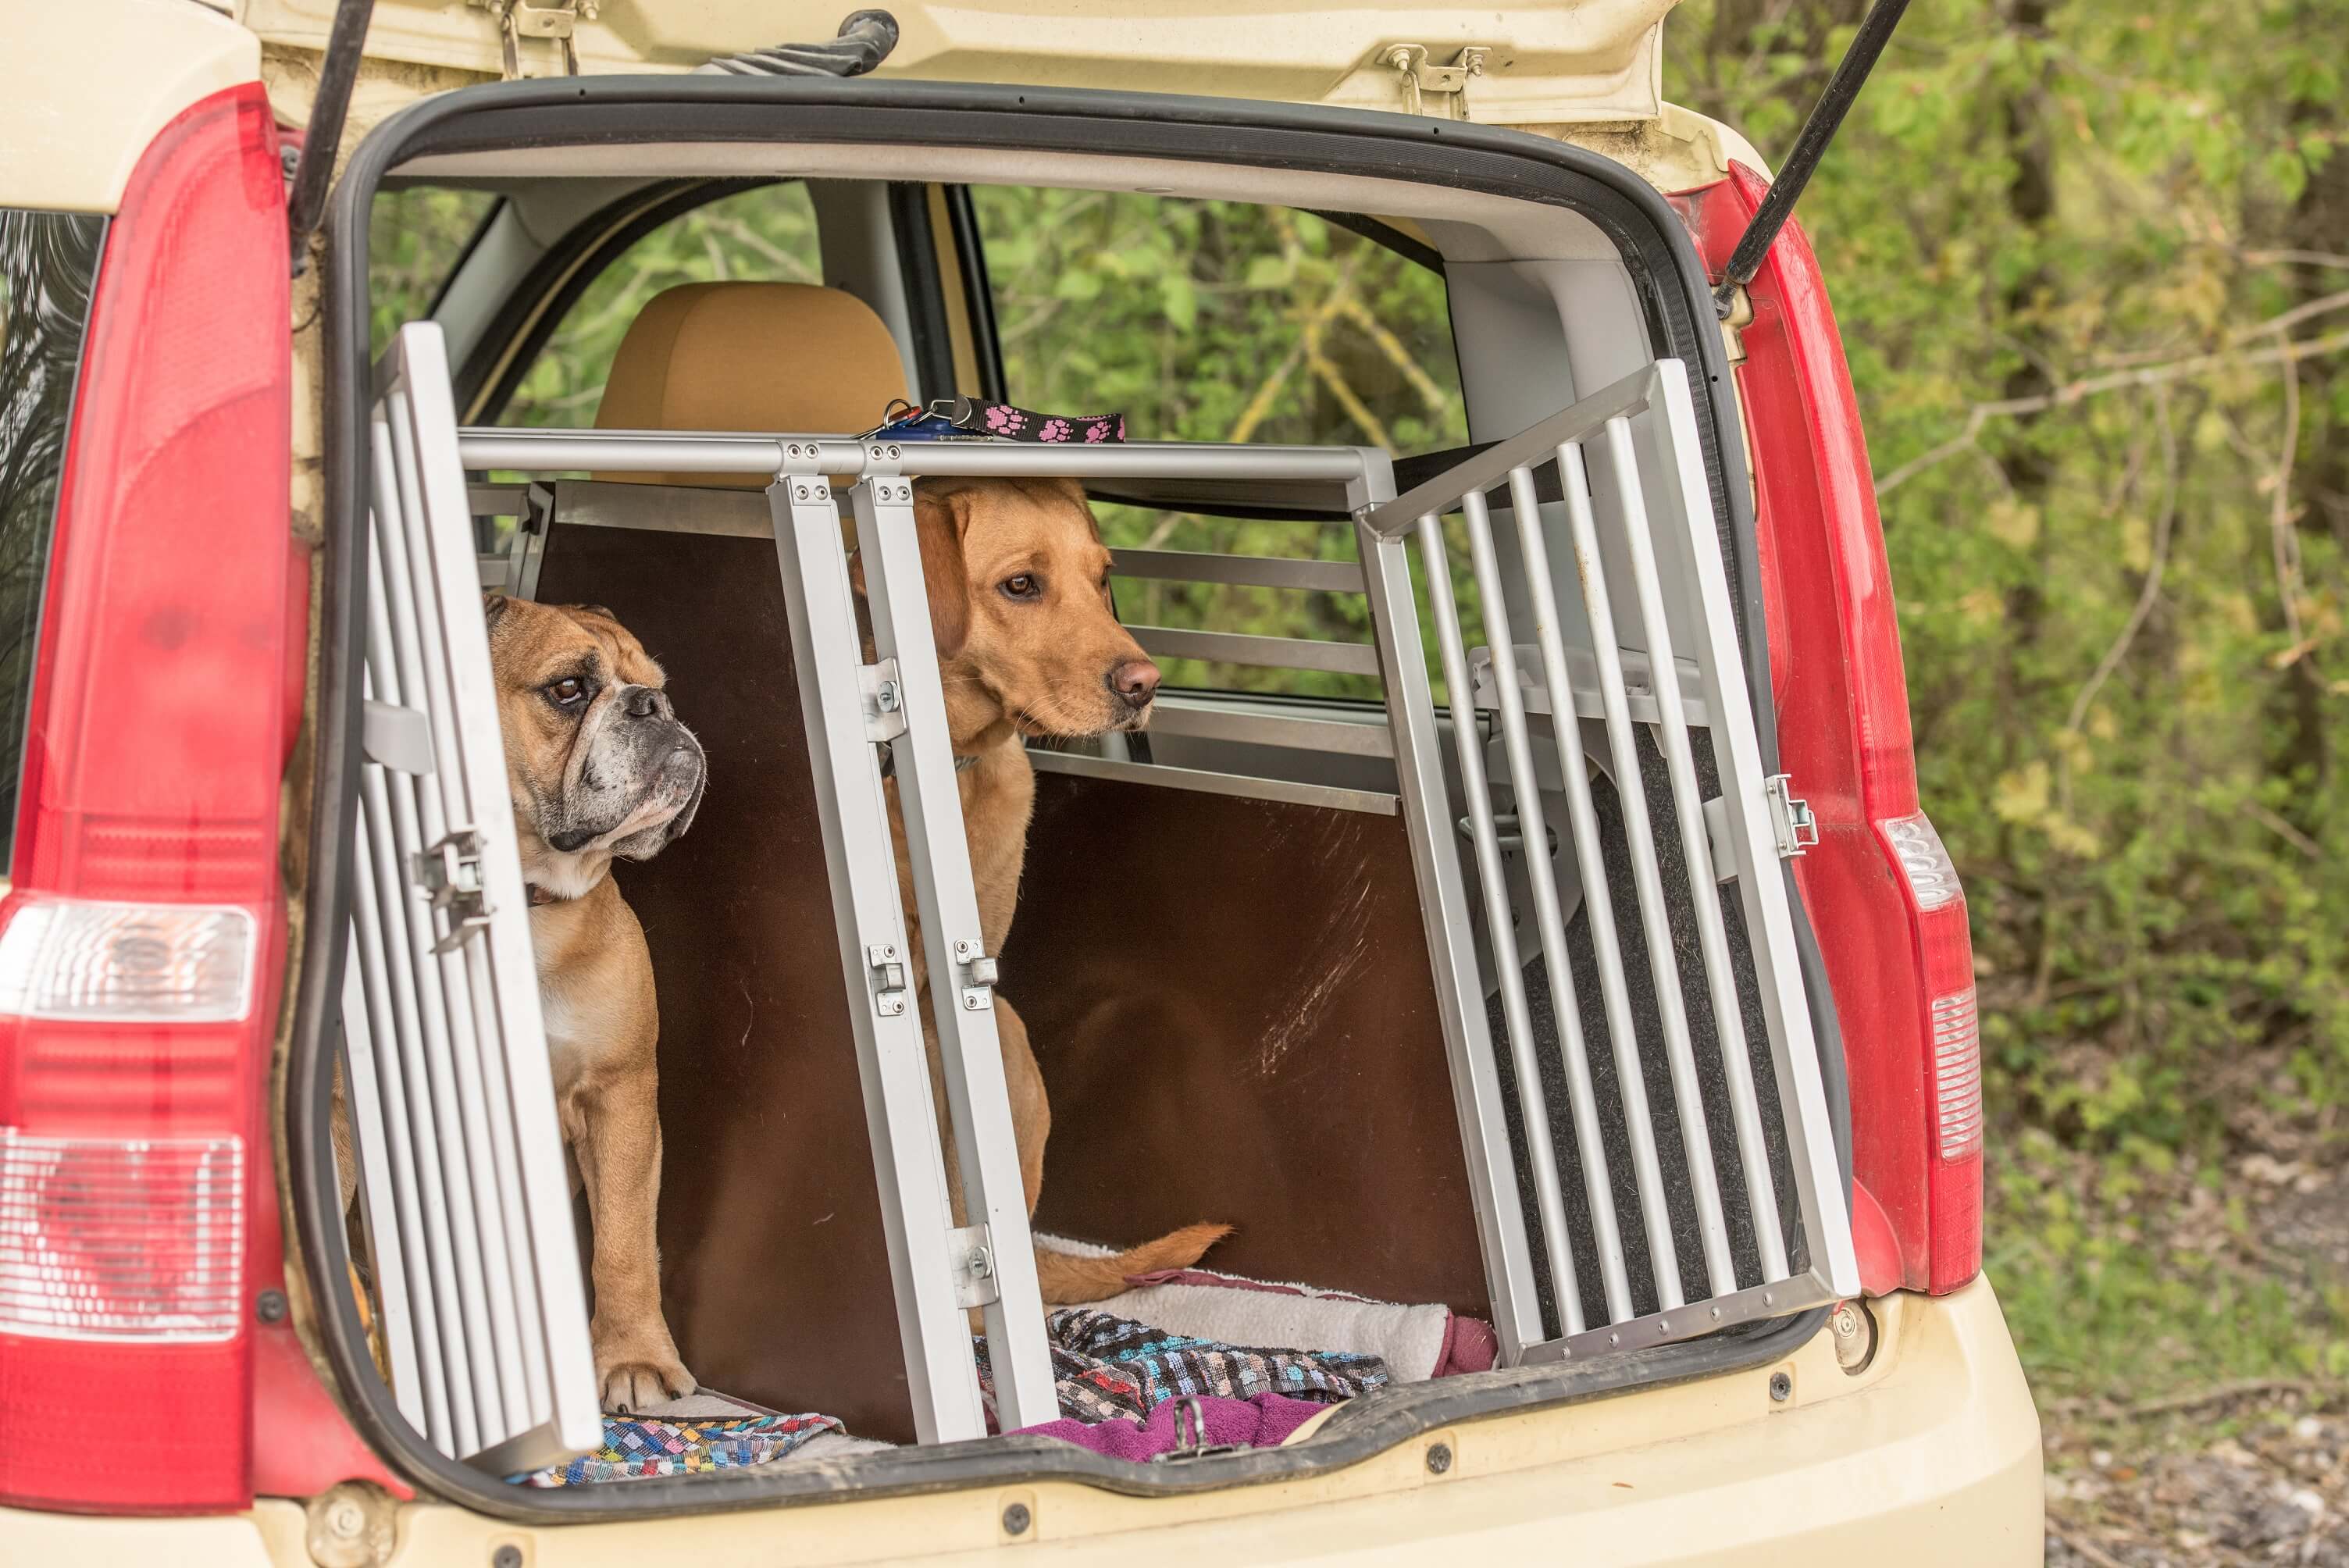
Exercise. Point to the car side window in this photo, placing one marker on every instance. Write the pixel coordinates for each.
(766, 234)
(1223, 321)
(416, 238)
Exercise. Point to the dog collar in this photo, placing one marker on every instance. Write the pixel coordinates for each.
(889, 762)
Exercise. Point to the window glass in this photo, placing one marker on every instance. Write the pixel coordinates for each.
(766, 234)
(1222, 321)
(416, 237)
(48, 261)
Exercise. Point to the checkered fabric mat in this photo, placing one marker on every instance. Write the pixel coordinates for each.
(636, 1448)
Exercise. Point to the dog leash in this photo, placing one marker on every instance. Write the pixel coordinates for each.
(972, 420)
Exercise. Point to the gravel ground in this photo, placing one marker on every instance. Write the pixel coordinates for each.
(2243, 1473)
(2277, 1491)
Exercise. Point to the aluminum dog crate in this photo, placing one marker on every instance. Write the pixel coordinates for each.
(1728, 1093)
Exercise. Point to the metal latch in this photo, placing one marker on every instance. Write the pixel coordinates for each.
(1450, 82)
(888, 977)
(449, 874)
(1790, 816)
(979, 975)
(883, 698)
(971, 1251)
(518, 20)
(1508, 832)
(1191, 1435)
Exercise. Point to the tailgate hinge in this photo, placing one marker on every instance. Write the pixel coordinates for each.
(1421, 78)
(518, 19)
(1790, 816)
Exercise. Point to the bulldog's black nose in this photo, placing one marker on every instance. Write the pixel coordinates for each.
(645, 702)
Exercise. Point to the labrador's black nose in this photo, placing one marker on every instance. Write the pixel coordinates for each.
(1135, 680)
(645, 702)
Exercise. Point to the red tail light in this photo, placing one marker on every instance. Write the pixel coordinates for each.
(141, 946)
(1884, 899)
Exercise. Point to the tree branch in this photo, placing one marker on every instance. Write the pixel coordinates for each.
(2157, 563)
(2290, 351)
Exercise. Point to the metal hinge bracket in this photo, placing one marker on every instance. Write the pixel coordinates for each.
(971, 1251)
(450, 875)
(884, 698)
(979, 975)
(1421, 78)
(518, 20)
(888, 967)
(1790, 816)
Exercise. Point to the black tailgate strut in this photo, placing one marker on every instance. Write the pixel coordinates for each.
(1810, 146)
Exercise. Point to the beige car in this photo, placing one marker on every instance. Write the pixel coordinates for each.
(1489, 528)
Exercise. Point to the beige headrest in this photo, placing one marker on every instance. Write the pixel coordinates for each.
(785, 357)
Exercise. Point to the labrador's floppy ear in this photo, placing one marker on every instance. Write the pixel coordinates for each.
(938, 523)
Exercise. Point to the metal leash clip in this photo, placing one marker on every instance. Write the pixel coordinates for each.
(1191, 1437)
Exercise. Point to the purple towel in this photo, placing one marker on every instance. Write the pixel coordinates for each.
(1265, 1421)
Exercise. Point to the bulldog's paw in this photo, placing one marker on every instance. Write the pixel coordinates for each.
(637, 1381)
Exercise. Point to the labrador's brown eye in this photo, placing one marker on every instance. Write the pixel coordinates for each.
(567, 693)
(1025, 585)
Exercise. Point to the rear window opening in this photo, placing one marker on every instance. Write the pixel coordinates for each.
(1282, 955)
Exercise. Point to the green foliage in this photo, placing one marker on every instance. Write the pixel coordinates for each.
(2141, 780)
(414, 238)
(1219, 321)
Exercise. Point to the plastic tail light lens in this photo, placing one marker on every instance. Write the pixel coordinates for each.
(1957, 1075)
(140, 944)
(79, 1256)
(129, 963)
(1883, 896)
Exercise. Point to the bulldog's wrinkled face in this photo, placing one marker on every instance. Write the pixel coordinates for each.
(596, 761)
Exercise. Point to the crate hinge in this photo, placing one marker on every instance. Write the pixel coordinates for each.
(971, 1251)
(450, 875)
(1790, 816)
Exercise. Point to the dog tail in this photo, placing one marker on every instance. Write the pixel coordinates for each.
(1068, 1277)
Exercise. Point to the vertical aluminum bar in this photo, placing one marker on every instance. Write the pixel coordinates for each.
(441, 802)
(415, 812)
(892, 1064)
(559, 1379)
(1696, 1143)
(424, 1231)
(1452, 945)
(1696, 845)
(1767, 891)
(374, 1147)
(1549, 921)
(384, 906)
(1499, 931)
(970, 1053)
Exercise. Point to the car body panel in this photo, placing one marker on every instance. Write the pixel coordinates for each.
(120, 71)
(1930, 1453)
